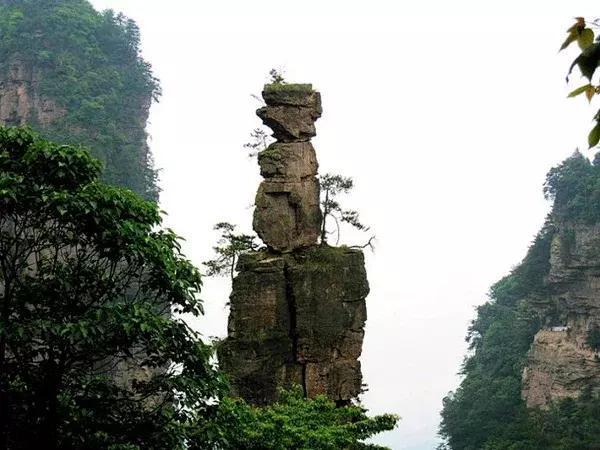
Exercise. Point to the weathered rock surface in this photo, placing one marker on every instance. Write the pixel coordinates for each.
(297, 319)
(561, 362)
(287, 214)
(20, 99)
(560, 365)
(296, 160)
(291, 111)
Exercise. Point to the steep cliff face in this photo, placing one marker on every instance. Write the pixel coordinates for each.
(76, 76)
(535, 342)
(298, 309)
(561, 362)
(21, 101)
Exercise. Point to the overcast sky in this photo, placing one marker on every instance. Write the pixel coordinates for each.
(448, 116)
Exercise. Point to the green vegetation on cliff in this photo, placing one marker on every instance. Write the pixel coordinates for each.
(486, 411)
(88, 63)
(489, 398)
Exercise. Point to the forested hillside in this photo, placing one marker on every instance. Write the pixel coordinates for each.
(76, 75)
(533, 344)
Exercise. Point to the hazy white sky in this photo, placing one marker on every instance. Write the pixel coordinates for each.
(447, 115)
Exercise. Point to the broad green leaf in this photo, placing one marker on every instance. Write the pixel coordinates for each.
(587, 61)
(572, 37)
(594, 136)
(585, 39)
(589, 93)
(574, 32)
(579, 90)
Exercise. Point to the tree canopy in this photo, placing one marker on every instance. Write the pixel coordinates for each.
(88, 282)
(294, 422)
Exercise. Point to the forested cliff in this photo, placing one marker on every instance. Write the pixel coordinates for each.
(76, 75)
(533, 374)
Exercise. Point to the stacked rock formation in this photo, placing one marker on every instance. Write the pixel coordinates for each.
(287, 214)
(297, 308)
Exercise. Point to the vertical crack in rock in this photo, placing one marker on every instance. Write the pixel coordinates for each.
(293, 333)
(298, 309)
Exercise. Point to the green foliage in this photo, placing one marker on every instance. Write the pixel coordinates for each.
(259, 141)
(572, 424)
(574, 185)
(292, 423)
(331, 187)
(228, 249)
(88, 280)
(276, 76)
(488, 399)
(89, 63)
(587, 62)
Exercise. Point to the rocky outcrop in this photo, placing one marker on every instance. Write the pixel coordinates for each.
(297, 319)
(20, 99)
(562, 362)
(287, 214)
(298, 309)
(560, 365)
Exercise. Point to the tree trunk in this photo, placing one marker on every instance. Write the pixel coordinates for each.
(4, 397)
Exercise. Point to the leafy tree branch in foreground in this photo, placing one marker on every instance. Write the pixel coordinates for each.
(587, 62)
(88, 280)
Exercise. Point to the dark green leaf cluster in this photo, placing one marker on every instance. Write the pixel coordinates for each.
(294, 422)
(89, 64)
(88, 282)
(587, 62)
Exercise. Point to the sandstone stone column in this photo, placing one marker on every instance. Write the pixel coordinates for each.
(287, 214)
(298, 309)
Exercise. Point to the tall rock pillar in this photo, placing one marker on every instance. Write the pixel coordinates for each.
(298, 309)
